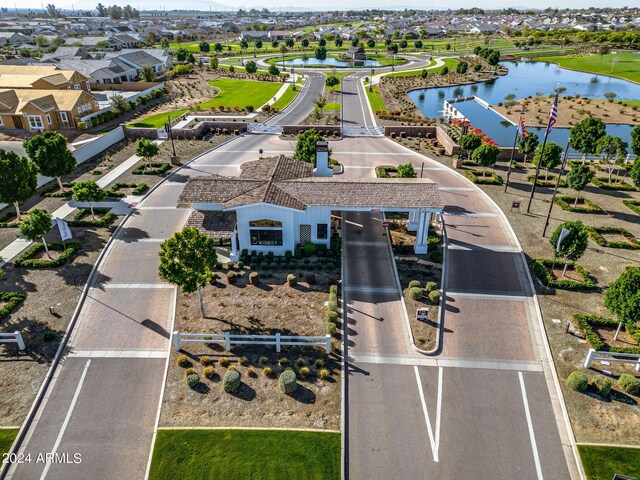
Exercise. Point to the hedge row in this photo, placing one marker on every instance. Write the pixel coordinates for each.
(473, 176)
(550, 182)
(632, 205)
(596, 235)
(106, 219)
(152, 168)
(603, 182)
(4, 222)
(138, 188)
(52, 192)
(586, 324)
(13, 299)
(540, 268)
(566, 203)
(26, 259)
(332, 310)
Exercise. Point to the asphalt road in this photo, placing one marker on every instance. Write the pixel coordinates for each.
(303, 104)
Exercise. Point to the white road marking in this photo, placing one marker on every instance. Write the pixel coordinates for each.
(493, 248)
(488, 296)
(125, 286)
(470, 214)
(140, 240)
(119, 353)
(366, 289)
(456, 189)
(432, 440)
(445, 363)
(532, 436)
(66, 418)
(439, 407)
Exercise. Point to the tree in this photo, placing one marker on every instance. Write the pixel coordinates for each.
(635, 140)
(603, 50)
(164, 43)
(119, 104)
(283, 49)
(178, 38)
(320, 101)
(403, 44)
(147, 74)
(213, 63)
(274, 43)
(610, 96)
(613, 150)
(355, 42)
(551, 158)
(486, 155)
(406, 171)
(573, 245)
(244, 45)
(190, 58)
(251, 67)
(393, 48)
(322, 42)
(88, 192)
(304, 42)
(634, 172)
(462, 67)
(36, 226)
(424, 73)
(187, 260)
(217, 47)
(338, 42)
(49, 151)
(321, 53)
(528, 144)
(371, 43)
(18, 179)
(578, 178)
(585, 134)
(102, 10)
(273, 70)
(332, 81)
(306, 146)
(181, 54)
(204, 47)
(258, 44)
(623, 296)
(289, 42)
(146, 149)
(52, 11)
(444, 70)
(418, 44)
(470, 142)
(42, 41)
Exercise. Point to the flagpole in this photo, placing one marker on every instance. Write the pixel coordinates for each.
(555, 190)
(515, 140)
(544, 143)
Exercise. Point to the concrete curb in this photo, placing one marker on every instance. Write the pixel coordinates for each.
(551, 367)
(276, 429)
(63, 344)
(343, 372)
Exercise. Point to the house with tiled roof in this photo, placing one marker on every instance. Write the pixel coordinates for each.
(277, 203)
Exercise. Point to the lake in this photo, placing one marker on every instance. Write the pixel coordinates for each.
(525, 79)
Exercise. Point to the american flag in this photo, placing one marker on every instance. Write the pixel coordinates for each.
(521, 129)
(553, 115)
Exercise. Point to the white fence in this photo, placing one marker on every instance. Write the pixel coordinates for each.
(93, 148)
(598, 356)
(15, 337)
(227, 339)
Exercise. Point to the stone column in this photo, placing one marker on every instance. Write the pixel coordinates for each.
(412, 223)
(422, 233)
(235, 255)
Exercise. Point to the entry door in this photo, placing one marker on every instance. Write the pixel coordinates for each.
(17, 121)
(305, 234)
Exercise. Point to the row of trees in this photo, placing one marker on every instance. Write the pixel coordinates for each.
(47, 154)
(117, 12)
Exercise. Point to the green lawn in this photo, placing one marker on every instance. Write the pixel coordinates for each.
(375, 99)
(246, 455)
(625, 65)
(332, 106)
(601, 463)
(7, 436)
(451, 63)
(191, 47)
(232, 93)
(288, 97)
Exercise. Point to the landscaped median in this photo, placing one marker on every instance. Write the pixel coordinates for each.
(602, 462)
(7, 436)
(246, 454)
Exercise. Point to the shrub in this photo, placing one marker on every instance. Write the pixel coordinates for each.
(231, 367)
(431, 286)
(319, 363)
(206, 360)
(267, 371)
(288, 382)
(223, 362)
(231, 381)
(324, 373)
(332, 305)
(332, 316)
(12, 300)
(152, 168)
(209, 371)
(301, 362)
(578, 381)
(243, 361)
(254, 278)
(283, 361)
(434, 297)
(601, 385)
(183, 361)
(305, 372)
(414, 284)
(263, 360)
(415, 293)
(27, 260)
(331, 328)
(629, 383)
(310, 278)
(540, 268)
(193, 380)
(231, 277)
(250, 372)
(189, 371)
(292, 280)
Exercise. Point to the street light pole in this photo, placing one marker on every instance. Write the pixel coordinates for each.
(371, 81)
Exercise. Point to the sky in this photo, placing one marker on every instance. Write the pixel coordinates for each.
(320, 4)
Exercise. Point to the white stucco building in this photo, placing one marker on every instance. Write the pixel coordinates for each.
(279, 202)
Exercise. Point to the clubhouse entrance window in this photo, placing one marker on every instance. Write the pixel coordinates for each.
(266, 232)
(322, 231)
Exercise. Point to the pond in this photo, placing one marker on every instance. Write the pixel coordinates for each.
(525, 79)
(327, 62)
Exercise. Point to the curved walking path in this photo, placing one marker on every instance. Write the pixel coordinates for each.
(438, 63)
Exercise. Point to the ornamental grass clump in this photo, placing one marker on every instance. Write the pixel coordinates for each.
(292, 280)
(183, 361)
(209, 372)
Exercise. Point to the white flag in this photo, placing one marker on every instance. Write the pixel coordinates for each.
(63, 228)
(563, 235)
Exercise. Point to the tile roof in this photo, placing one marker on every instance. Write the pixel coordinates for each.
(290, 185)
(213, 224)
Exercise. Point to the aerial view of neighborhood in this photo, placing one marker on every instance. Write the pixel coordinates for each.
(320, 241)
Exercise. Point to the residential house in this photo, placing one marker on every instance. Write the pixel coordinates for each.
(105, 71)
(45, 77)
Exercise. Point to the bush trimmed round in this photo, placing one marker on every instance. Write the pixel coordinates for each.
(601, 385)
(206, 360)
(331, 328)
(288, 382)
(231, 277)
(434, 297)
(332, 305)
(324, 373)
(415, 293)
(193, 380)
(578, 381)
(629, 384)
(189, 371)
(254, 278)
(231, 381)
(183, 361)
(305, 372)
(209, 372)
(414, 284)
(332, 316)
(292, 280)
(267, 371)
(431, 286)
